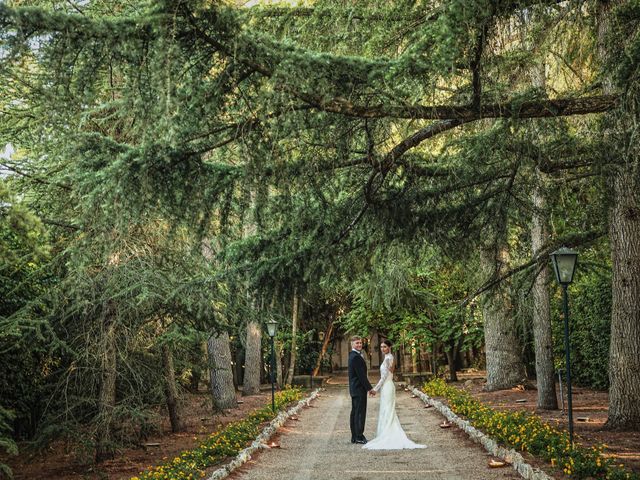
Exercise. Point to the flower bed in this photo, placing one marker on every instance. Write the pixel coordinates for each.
(221, 444)
(528, 433)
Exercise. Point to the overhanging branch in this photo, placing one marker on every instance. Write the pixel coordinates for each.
(574, 240)
(559, 107)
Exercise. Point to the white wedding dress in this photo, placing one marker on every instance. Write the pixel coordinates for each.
(389, 434)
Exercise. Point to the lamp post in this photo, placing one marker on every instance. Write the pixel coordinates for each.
(272, 328)
(564, 266)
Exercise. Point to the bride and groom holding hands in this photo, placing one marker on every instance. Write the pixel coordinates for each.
(389, 432)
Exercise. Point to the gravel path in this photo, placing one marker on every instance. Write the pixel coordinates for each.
(318, 447)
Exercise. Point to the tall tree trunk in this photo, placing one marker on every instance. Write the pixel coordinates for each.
(294, 333)
(238, 367)
(451, 353)
(252, 359)
(469, 357)
(223, 392)
(278, 347)
(434, 358)
(505, 367)
(279, 366)
(542, 332)
(624, 236)
(424, 358)
(194, 380)
(253, 344)
(170, 390)
(407, 366)
(204, 354)
(107, 396)
(460, 360)
(542, 336)
(325, 346)
(624, 350)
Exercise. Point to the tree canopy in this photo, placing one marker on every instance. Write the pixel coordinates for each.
(180, 166)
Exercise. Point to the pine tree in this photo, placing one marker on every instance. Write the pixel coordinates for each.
(399, 121)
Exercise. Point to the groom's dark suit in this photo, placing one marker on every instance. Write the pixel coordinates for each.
(358, 387)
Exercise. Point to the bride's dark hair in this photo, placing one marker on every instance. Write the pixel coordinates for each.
(386, 342)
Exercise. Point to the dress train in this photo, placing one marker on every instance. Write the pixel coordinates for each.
(389, 432)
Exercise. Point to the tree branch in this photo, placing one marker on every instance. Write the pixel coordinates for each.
(419, 137)
(34, 177)
(57, 223)
(560, 107)
(476, 67)
(574, 240)
(465, 113)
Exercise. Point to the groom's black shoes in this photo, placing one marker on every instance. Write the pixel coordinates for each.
(361, 440)
(353, 440)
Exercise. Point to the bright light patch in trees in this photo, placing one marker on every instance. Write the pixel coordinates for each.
(7, 152)
(6, 155)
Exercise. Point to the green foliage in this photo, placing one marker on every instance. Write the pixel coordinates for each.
(52, 325)
(528, 433)
(23, 251)
(414, 298)
(6, 442)
(148, 130)
(589, 323)
(624, 61)
(221, 444)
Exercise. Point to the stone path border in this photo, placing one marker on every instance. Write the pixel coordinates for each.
(261, 440)
(490, 445)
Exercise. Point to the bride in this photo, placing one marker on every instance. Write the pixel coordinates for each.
(389, 434)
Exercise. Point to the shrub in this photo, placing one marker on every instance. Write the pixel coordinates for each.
(528, 433)
(590, 323)
(227, 442)
(6, 443)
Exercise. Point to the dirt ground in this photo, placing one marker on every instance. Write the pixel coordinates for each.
(589, 415)
(61, 461)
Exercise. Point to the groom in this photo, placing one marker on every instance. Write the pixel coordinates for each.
(358, 387)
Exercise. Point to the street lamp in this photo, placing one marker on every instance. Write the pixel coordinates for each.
(272, 328)
(564, 266)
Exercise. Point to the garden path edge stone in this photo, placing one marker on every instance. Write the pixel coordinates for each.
(261, 440)
(509, 455)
